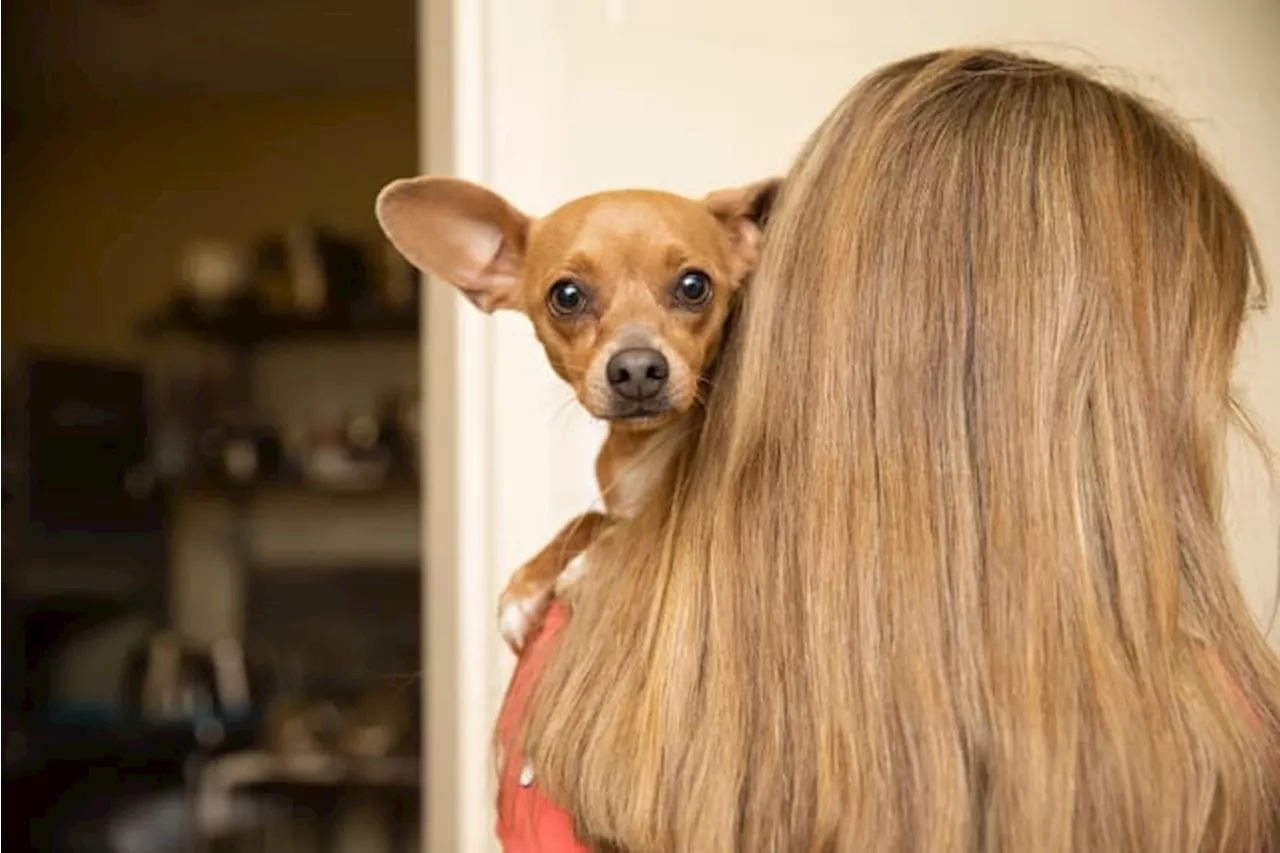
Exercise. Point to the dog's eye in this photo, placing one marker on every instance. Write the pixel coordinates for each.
(566, 298)
(693, 289)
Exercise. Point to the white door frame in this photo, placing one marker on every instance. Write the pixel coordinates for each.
(456, 639)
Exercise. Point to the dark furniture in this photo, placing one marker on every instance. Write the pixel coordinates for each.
(81, 516)
(84, 528)
(84, 544)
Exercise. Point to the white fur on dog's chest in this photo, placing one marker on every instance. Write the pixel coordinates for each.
(635, 481)
(631, 486)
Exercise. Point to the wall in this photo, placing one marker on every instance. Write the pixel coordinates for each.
(551, 98)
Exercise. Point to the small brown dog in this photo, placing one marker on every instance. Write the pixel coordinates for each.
(628, 291)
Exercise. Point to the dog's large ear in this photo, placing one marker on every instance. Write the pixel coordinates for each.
(467, 235)
(743, 211)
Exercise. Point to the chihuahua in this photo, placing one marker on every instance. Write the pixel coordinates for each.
(628, 292)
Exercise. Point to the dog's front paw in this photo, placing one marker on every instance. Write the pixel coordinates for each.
(520, 611)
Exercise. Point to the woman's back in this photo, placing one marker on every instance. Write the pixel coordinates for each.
(944, 570)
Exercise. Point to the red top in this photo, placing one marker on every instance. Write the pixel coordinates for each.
(527, 821)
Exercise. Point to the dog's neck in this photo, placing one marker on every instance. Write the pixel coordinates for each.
(631, 463)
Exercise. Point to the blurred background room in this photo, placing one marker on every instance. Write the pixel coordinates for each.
(211, 394)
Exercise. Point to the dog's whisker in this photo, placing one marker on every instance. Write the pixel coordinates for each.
(559, 413)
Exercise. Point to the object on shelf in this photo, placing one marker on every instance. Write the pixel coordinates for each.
(247, 324)
(398, 429)
(236, 453)
(176, 681)
(330, 468)
(171, 680)
(305, 281)
(214, 273)
(331, 459)
(204, 441)
(251, 453)
(398, 279)
(375, 721)
(364, 452)
(378, 723)
(363, 437)
(231, 676)
(310, 270)
(301, 726)
(188, 401)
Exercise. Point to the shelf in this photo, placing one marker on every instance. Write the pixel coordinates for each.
(405, 485)
(249, 769)
(83, 572)
(247, 328)
(372, 570)
(107, 740)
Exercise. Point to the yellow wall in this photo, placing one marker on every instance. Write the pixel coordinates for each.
(96, 211)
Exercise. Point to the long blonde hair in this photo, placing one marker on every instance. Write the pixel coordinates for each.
(944, 568)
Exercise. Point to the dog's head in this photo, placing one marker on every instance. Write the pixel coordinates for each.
(628, 290)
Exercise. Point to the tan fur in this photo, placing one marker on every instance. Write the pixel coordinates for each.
(944, 567)
(626, 249)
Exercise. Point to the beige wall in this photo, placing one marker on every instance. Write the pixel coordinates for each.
(552, 98)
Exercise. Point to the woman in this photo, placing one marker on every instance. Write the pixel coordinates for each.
(944, 569)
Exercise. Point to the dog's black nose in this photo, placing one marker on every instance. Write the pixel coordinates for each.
(637, 374)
